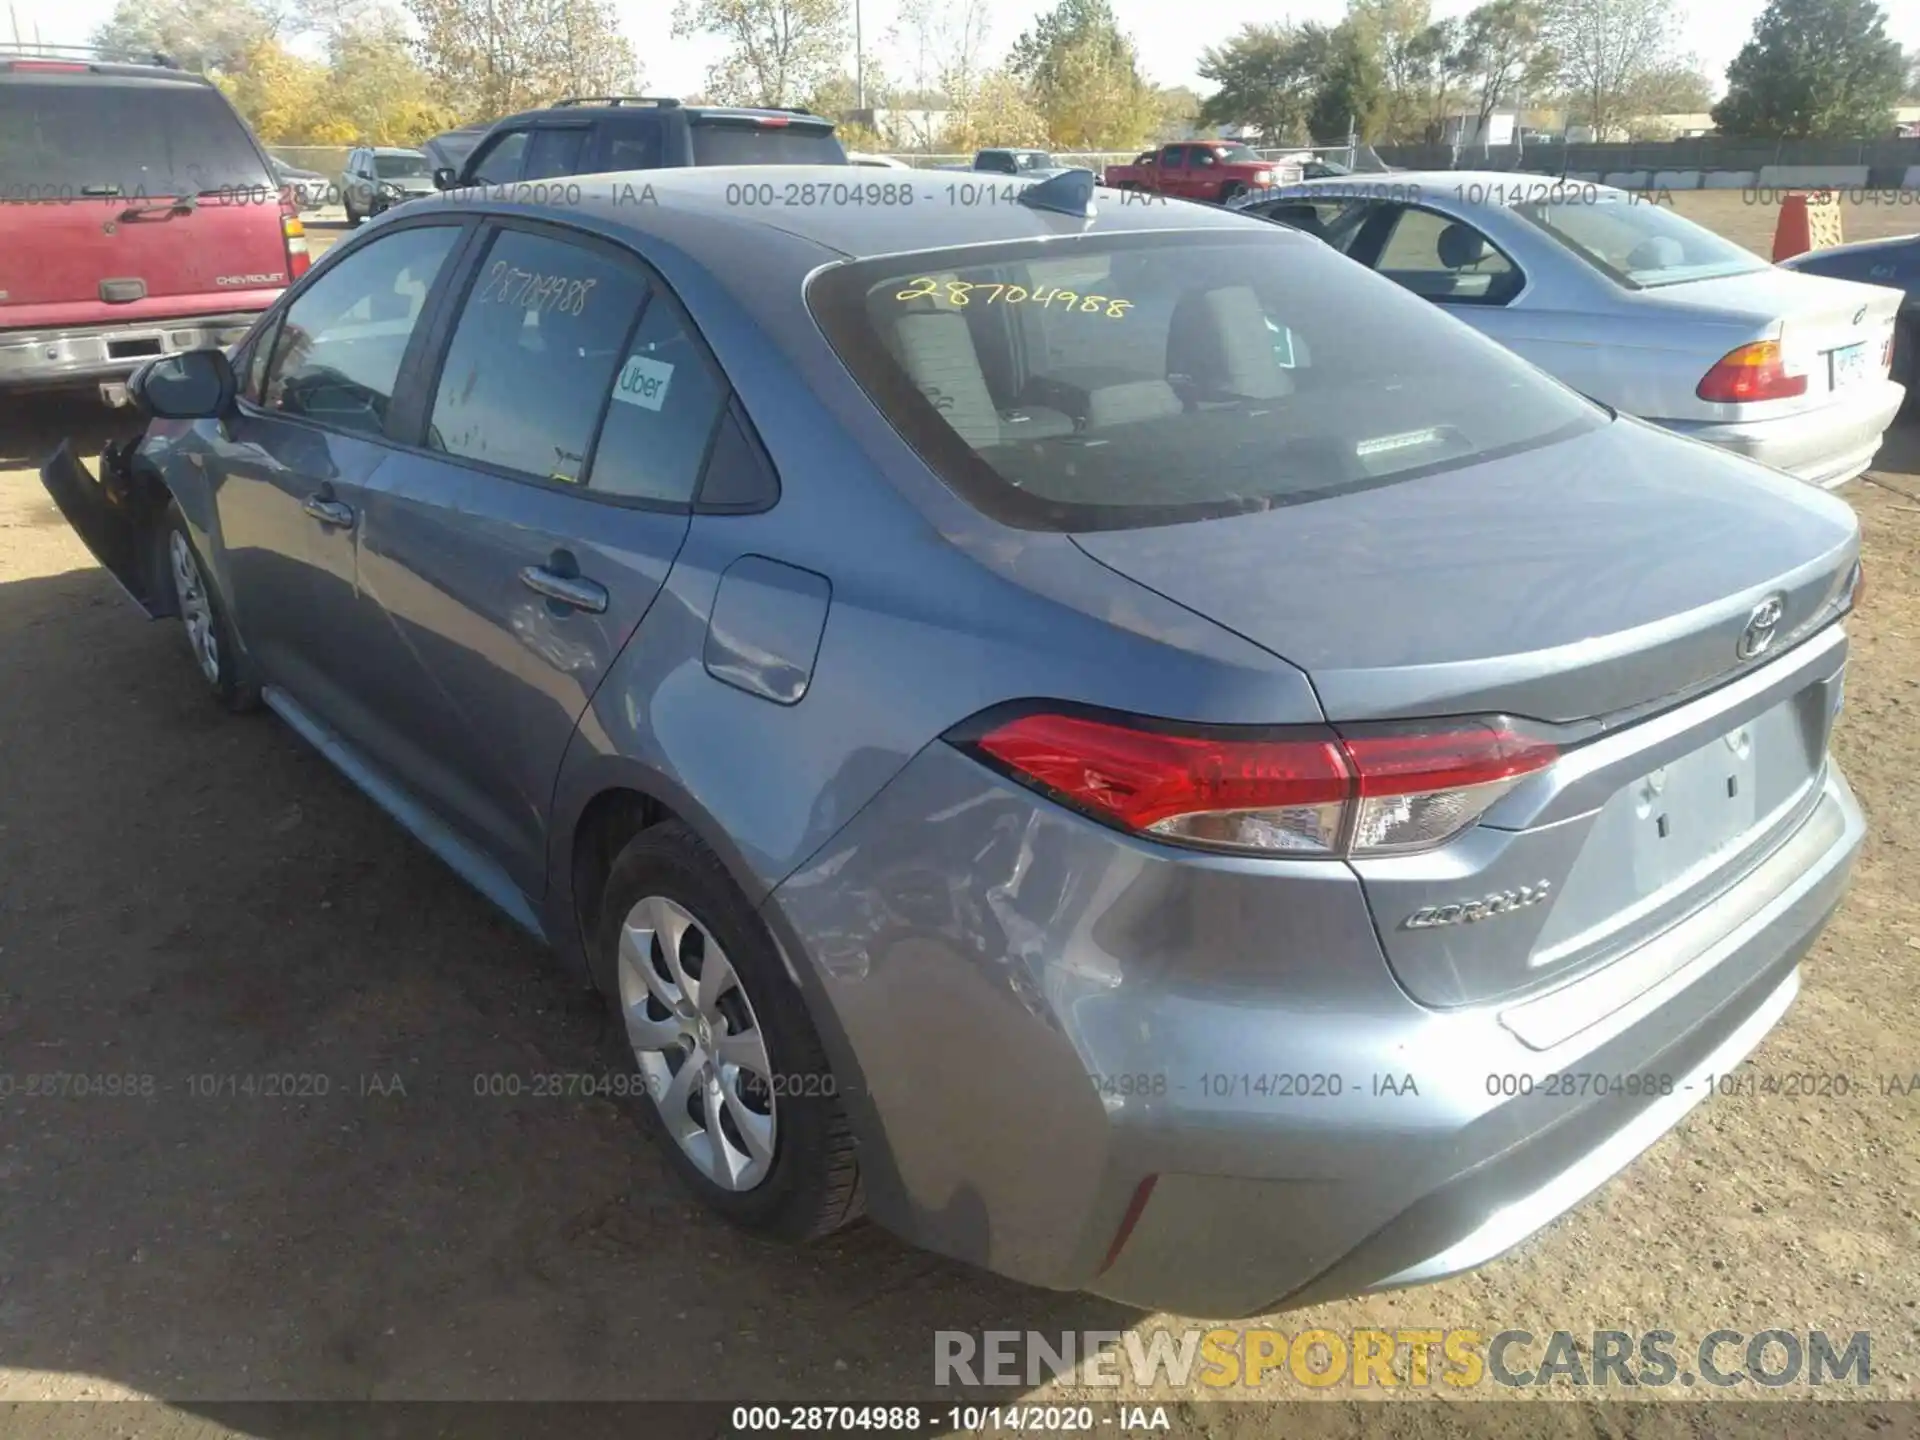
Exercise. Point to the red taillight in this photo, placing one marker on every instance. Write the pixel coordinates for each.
(299, 258)
(774, 120)
(1375, 791)
(63, 67)
(1752, 372)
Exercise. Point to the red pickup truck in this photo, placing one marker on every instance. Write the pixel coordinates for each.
(1214, 170)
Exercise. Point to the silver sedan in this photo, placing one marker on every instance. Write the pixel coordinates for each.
(1632, 304)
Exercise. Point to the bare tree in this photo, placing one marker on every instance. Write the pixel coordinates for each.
(1606, 48)
(778, 51)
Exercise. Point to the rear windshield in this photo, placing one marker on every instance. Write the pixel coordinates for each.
(1637, 243)
(1114, 381)
(94, 137)
(1032, 160)
(394, 167)
(744, 142)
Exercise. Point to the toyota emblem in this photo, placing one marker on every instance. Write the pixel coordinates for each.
(1762, 625)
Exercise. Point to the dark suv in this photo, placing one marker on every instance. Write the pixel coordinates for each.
(138, 217)
(596, 135)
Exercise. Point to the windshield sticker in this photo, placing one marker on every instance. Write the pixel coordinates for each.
(643, 382)
(961, 293)
(558, 294)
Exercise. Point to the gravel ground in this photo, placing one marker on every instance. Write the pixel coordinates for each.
(186, 895)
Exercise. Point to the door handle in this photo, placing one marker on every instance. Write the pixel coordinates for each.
(572, 591)
(329, 512)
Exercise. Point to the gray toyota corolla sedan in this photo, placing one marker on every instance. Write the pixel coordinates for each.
(1126, 747)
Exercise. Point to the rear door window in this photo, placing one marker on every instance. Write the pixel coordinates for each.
(541, 341)
(554, 150)
(79, 135)
(338, 354)
(1446, 260)
(749, 142)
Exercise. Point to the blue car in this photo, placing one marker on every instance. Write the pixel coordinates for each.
(1101, 735)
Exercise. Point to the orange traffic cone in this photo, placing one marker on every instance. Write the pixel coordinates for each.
(1807, 222)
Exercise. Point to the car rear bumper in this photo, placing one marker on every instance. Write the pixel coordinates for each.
(50, 359)
(1824, 447)
(1190, 1082)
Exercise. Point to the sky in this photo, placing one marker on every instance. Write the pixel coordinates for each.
(1170, 37)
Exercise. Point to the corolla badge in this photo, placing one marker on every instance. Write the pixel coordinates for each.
(1465, 912)
(1763, 627)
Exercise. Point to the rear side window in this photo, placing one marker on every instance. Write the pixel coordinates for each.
(666, 397)
(1113, 381)
(748, 142)
(338, 354)
(540, 343)
(81, 135)
(632, 146)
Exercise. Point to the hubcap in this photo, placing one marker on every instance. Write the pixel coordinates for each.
(196, 611)
(699, 1043)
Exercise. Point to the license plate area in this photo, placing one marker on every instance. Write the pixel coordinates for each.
(1673, 837)
(1849, 365)
(1689, 811)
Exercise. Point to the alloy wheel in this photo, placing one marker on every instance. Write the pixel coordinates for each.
(699, 1043)
(196, 610)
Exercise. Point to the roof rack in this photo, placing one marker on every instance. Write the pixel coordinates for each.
(663, 102)
(85, 53)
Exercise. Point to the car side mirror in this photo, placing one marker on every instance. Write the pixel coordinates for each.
(445, 178)
(193, 385)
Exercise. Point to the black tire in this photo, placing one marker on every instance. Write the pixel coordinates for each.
(224, 671)
(811, 1188)
(1231, 189)
(354, 217)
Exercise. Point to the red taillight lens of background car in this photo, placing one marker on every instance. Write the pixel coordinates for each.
(299, 258)
(1374, 791)
(1752, 372)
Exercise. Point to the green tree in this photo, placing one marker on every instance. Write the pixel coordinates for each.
(778, 51)
(1266, 80)
(1814, 68)
(1083, 77)
(1350, 96)
(1505, 56)
(1397, 37)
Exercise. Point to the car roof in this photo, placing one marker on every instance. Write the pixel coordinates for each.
(1461, 189)
(588, 107)
(32, 69)
(688, 204)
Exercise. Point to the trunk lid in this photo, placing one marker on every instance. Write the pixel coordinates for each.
(90, 170)
(1612, 577)
(1577, 580)
(1832, 331)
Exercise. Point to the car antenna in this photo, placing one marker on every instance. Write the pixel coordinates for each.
(1069, 193)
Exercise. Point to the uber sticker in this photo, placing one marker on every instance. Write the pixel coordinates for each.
(643, 382)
